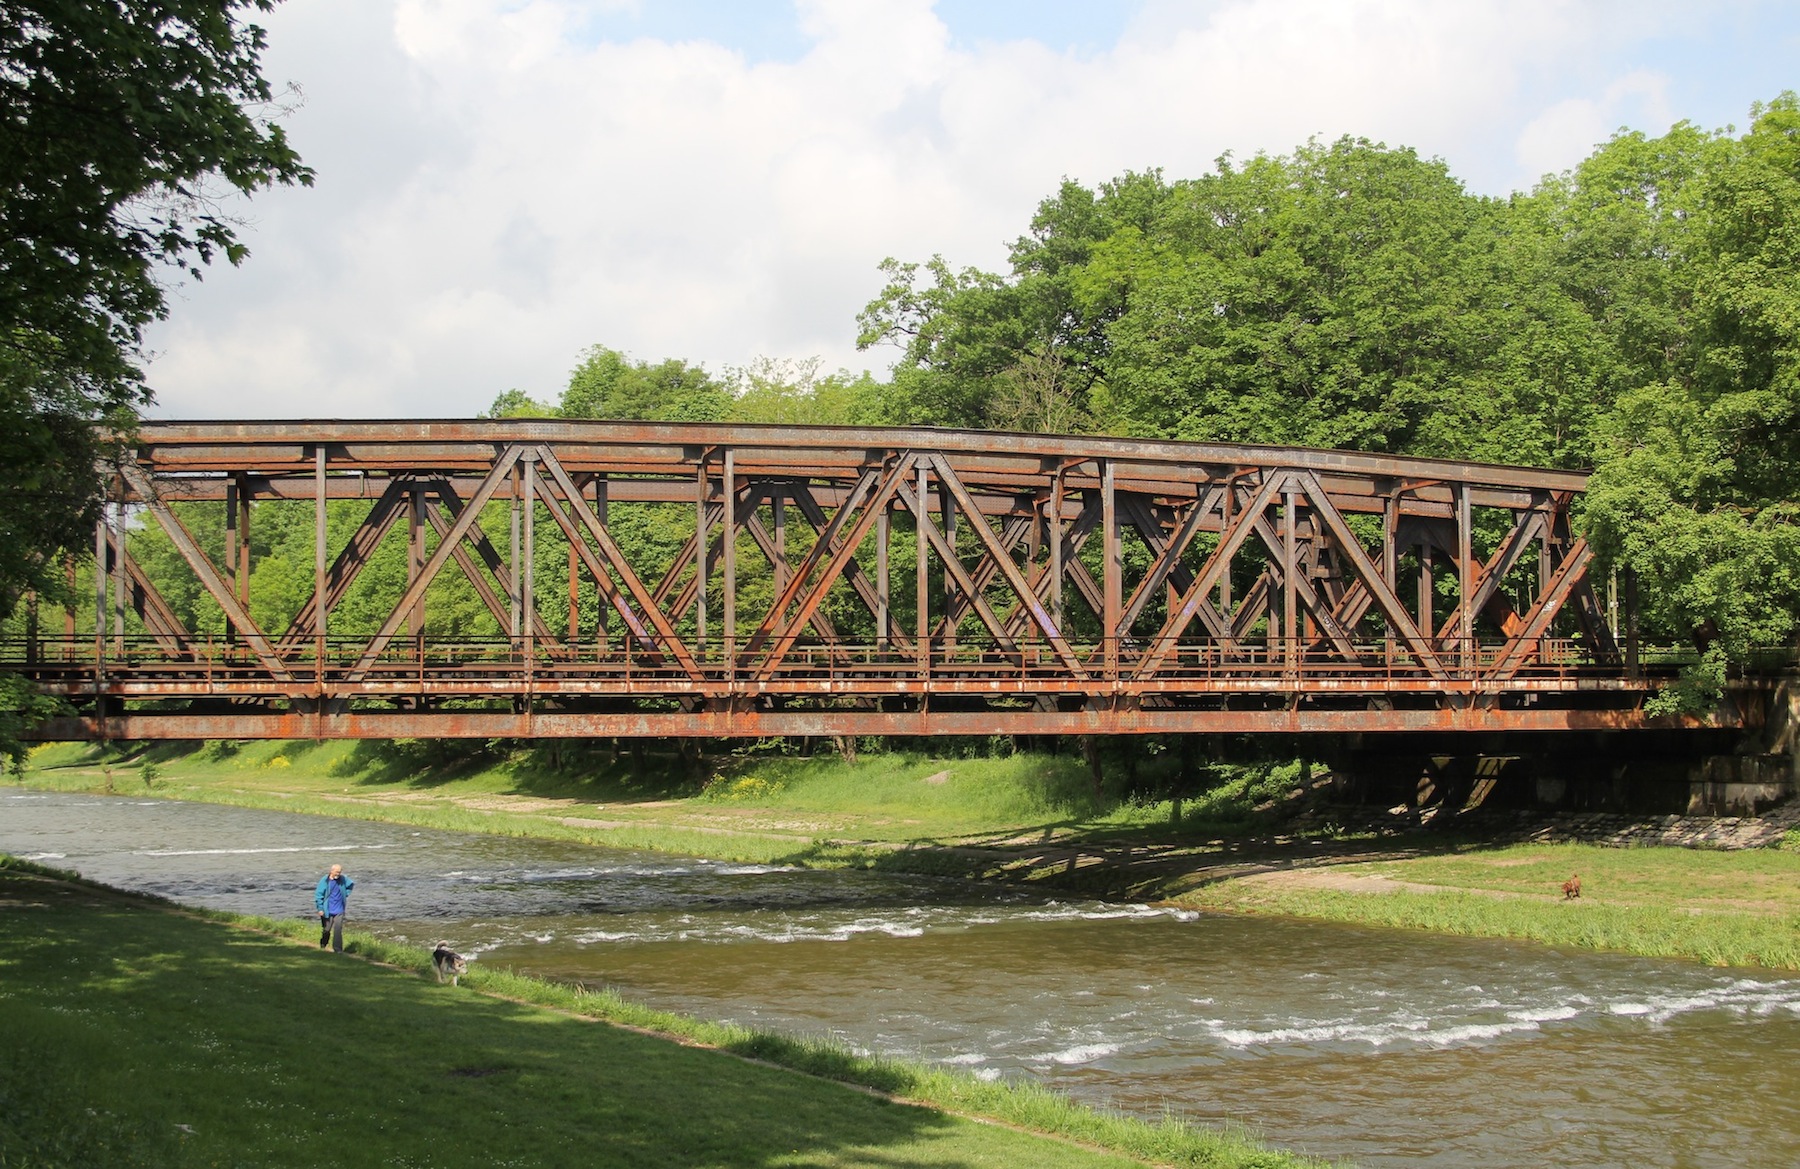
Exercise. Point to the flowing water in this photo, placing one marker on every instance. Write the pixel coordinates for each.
(1384, 1047)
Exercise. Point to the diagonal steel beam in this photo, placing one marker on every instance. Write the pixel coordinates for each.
(466, 562)
(1251, 605)
(690, 584)
(489, 486)
(666, 637)
(1369, 573)
(776, 617)
(148, 603)
(684, 556)
(853, 571)
(1012, 530)
(476, 537)
(1490, 575)
(1568, 575)
(759, 534)
(1002, 559)
(597, 569)
(1321, 609)
(349, 563)
(1168, 550)
(1042, 575)
(953, 568)
(1230, 540)
(842, 546)
(203, 568)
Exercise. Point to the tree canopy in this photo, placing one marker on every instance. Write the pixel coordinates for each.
(122, 125)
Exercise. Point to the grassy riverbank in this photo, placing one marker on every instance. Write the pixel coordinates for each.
(134, 1033)
(762, 809)
(1724, 908)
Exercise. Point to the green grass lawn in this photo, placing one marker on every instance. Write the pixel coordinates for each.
(133, 1034)
(1763, 880)
(1737, 908)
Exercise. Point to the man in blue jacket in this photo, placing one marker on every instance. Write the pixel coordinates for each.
(331, 898)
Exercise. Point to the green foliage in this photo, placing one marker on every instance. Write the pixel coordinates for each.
(607, 384)
(22, 706)
(796, 393)
(120, 125)
(1696, 689)
(1346, 296)
(1698, 485)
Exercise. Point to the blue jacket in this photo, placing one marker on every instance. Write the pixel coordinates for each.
(324, 888)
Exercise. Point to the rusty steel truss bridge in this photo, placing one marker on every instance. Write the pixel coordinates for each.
(1001, 583)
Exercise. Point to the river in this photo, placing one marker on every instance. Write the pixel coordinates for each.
(1386, 1047)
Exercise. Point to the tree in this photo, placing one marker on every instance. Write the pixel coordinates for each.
(1348, 295)
(608, 384)
(122, 125)
(1698, 486)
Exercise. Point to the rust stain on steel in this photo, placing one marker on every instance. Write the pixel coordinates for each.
(1247, 582)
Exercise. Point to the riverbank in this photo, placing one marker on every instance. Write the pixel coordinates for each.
(137, 1033)
(1036, 819)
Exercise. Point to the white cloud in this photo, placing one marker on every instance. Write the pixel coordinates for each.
(1569, 130)
(495, 193)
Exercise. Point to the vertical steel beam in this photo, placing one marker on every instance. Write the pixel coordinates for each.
(321, 603)
(574, 629)
(778, 508)
(1390, 565)
(1631, 625)
(514, 597)
(881, 578)
(69, 607)
(702, 570)
(528, 566)
(242, 567)
(1290, 629)
(415, 560)
(1112, 570)
(922, 605)
(118, 581)
(100, 542)
(1425, 587)
(1056, 546)
(728, 552)
(231, 544)
(1465, 584)
(947, 509)
(600, 606)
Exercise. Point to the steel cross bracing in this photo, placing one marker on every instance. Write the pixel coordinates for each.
(839, 581)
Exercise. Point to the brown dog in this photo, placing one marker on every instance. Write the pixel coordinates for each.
(1572, 887)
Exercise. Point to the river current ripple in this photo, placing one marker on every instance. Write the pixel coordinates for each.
(1384, 1047)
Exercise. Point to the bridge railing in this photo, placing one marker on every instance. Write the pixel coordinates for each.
(143, 664)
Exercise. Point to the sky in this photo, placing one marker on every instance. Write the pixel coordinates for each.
(502, 184)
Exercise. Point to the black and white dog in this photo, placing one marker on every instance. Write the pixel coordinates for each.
(447, 963)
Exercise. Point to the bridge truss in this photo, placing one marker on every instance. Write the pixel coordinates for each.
(839, 581)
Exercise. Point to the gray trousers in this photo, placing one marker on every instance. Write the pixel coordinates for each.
(332, 929)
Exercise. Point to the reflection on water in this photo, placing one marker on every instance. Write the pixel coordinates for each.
(1386, 1047)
